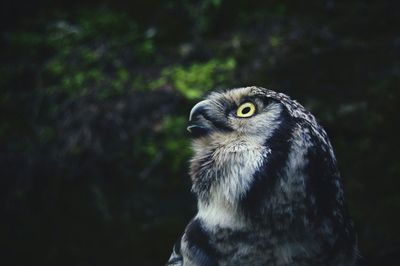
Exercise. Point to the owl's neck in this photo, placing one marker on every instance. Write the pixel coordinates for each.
(223, 177)
(218, 212)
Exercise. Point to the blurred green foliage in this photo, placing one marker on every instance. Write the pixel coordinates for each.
(194, 81)
(94, 99)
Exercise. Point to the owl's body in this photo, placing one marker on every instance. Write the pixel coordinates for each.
(267, 184)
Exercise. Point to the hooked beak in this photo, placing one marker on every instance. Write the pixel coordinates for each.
(198, 125)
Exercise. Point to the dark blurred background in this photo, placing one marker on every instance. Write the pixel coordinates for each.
(94, 98)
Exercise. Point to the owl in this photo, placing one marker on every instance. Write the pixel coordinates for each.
(267, 185)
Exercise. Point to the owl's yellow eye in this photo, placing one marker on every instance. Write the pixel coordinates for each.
(246, 110)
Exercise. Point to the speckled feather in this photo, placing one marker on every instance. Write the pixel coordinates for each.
(268, 188)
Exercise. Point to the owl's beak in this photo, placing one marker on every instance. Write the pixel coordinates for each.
(198, 109)
(198, 125)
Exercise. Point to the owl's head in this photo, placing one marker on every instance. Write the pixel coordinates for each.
(249, 118)
(252, 144)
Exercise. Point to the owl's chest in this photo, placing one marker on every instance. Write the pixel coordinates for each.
(257, 248)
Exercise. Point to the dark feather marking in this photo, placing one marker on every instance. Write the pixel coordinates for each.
(219, 124)
(177, 251)
(266, 176)
(198, 242)
(177, 247)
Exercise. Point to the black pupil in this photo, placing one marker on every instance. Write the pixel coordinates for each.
(246, 110)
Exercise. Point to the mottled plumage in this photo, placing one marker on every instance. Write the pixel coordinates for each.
(268, 188)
